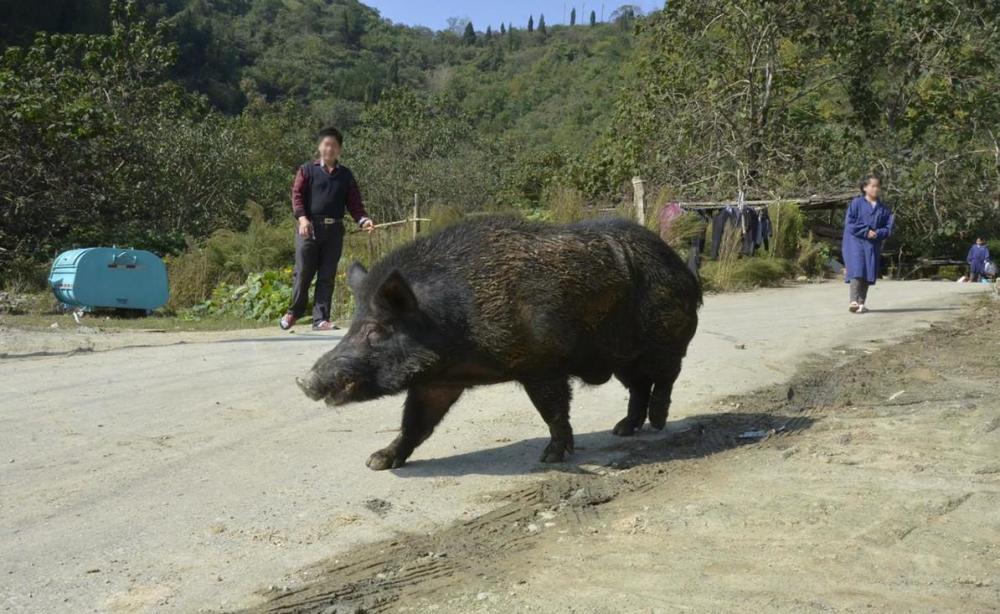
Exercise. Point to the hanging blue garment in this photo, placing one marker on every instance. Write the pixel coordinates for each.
(862, 255)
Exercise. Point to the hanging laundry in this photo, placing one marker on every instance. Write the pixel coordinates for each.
(698, 242)
(728, 217)
(764, 229)
(748, 224)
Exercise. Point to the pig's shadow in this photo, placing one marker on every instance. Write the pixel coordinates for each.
(692, 437)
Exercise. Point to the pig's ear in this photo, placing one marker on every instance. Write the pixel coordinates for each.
(395, 295)
(356, 274)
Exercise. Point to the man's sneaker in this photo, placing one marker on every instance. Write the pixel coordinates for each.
(324, 325)
(287, 321)
(853, 307)
(862, 308)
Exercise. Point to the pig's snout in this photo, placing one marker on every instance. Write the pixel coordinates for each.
(335, 390)
(311, 386)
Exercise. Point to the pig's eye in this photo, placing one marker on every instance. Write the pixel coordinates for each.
(375, 334)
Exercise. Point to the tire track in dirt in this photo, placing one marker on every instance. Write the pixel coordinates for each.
(378, 577)
(383, 576)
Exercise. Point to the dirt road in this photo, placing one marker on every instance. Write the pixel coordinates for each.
(195, 477)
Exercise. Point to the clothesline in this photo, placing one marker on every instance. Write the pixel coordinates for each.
(810, 202)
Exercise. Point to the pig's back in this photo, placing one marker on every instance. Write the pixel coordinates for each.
(532, 295)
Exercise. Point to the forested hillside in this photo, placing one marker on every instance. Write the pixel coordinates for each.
(153, 122)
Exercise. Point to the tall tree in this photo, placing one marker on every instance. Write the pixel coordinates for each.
(572, 17)
(469, 36)
(786, 97)
(531, 23)
(625, 15)
(593, 18)
(503, 29)
(541, 24)
(489, 32)
(456, 25)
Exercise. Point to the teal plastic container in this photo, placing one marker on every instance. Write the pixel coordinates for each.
(110, 277)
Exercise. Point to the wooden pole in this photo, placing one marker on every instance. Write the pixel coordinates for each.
(639, 187)
(416, 215)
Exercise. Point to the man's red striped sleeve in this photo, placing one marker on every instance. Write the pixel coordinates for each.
(354, 205)
(299, 187)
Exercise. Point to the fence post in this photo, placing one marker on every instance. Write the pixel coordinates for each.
(416, 215)
(639, 187)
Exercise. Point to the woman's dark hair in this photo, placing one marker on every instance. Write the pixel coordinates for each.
(331, 131)
(867, 179)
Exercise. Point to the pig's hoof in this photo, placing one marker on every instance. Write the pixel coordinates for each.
(555, 452)
(658, 423)
(384, 459)
(625, 428)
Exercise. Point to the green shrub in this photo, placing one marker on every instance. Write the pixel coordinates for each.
(263, 296)
(24, 275)
(787, 221)
(721, 271)
(442, 216)
(192, 275)
(813, 256)
(260, 247)
(745, 274)
(228, 257)
(682, 230)
(952, 272)
(565, 205)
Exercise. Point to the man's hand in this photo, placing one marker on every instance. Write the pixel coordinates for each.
(305, 227)
(368, 226)
(872, 234)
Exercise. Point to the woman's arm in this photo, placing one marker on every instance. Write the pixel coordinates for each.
(884, 231)
(851, 223)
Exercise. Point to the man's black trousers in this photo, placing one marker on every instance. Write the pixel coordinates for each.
(316, 256)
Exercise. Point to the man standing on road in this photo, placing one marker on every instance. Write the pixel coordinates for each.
(322, 192)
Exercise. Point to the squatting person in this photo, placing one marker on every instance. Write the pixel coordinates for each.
(322, 192)
(867, 224)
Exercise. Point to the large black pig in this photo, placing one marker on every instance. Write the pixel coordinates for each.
(498, 299)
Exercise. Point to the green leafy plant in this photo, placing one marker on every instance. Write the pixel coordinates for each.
(813, 256)
(787, 222)
(262, 296)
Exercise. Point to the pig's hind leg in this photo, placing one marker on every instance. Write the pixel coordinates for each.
(639, 387)
(424, 408)
(551, 398)
(659, 402)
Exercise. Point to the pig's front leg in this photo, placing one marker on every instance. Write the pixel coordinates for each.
(422, 411)
(551, 399)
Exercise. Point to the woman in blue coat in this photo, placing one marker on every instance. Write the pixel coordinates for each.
(978, 256)
(867, 224)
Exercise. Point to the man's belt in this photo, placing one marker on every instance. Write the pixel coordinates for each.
(326, 221)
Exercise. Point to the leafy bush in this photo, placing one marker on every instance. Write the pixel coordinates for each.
(681, 231)
(229, 257)
(263, 296)
(565, 204)
(722, 270)
(951, 272)
(813, 256)
(442, 216)
(745, 274)
(787, 221)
